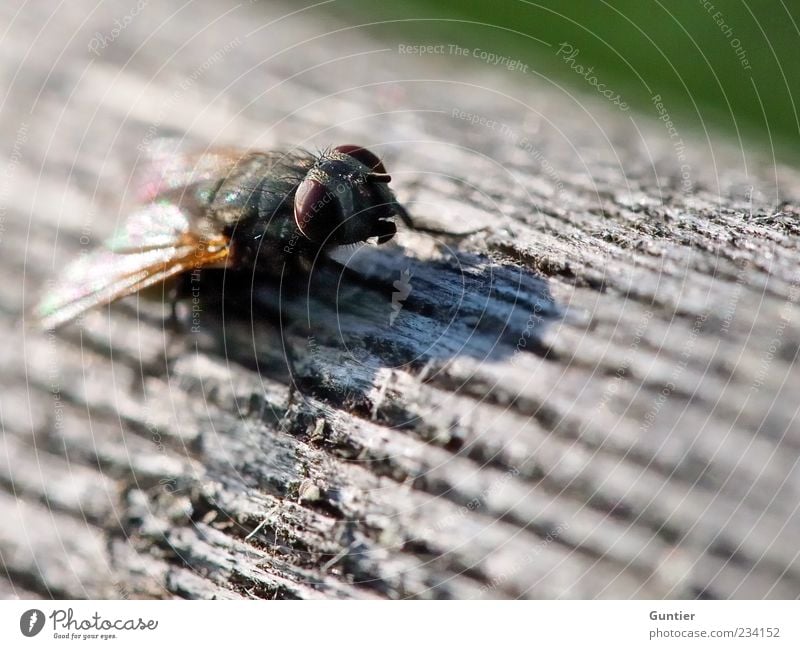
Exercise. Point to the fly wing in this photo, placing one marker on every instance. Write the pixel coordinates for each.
(156, 243)
(158, 225)
(176, 232)
(166, 173)
(175, 176)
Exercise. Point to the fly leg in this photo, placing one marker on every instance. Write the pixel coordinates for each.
(291, 365)
(176, 329)
(174, 323)
(405, 217)
(267, 306)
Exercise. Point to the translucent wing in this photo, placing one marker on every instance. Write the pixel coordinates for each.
(177, 232)
(156, 243)
(168, 174)
(176, 176)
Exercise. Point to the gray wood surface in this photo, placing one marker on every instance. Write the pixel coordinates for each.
(594, 396)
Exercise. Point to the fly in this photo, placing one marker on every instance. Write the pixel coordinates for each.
(267, 211)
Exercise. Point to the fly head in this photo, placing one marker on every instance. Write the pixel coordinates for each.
(345, 198)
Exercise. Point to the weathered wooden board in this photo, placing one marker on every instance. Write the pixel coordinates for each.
(593, 396)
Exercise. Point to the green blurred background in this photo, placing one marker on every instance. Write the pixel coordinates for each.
(727, 65)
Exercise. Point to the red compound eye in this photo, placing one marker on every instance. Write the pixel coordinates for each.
(364, 156)
(317, 211)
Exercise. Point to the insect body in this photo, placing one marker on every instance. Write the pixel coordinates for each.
(227, 208)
